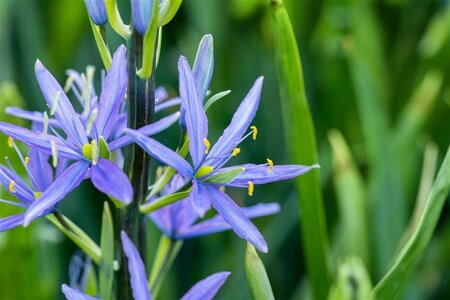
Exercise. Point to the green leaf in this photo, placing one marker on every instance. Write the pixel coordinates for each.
(257, 278)
(107, 259)
(215, 98)
(101, 45)
(168, 9)
(115, 19)
(163, 201)
(353, 281)
(225, 177)
(301, 142)
(393, 281)
(149, 46)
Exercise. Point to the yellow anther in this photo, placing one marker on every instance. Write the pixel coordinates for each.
(26, 160)
(255, 131)
(12, 183)
(37, 195)
(251, 187)
(236, 151)
(207, 145)
(10, 142)
(270, 162)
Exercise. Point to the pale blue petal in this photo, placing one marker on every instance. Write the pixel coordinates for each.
(21, 191)
(204, 65)
(166, 104)
(207, 288)
(97, 11)
(195, 117)
(108, 178)
(161, 94)
(65, 114)
(238, 221)
(136, 269)
(30, 115)
(113, 93)
(242, 119)
(161, 153)
(11, 222)
(142, 14)
(40, 169)
(74, 294)
(199, 198)
(64, 184)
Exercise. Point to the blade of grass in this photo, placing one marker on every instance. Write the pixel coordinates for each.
(391, 284)
(301, 142)
(257, 278)
(107, 258)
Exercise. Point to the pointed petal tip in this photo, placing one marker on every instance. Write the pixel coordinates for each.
(38, 66)
(315, 166)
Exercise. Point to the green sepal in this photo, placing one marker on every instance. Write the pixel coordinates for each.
(101, 45)
(257, 278)
(226, 176)
(107, 259)
(163, 201)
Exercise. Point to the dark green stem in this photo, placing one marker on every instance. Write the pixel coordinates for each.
(141, 108)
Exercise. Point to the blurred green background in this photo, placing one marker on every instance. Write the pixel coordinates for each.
(378, 71)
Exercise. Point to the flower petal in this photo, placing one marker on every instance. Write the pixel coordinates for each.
(97, 11)
(199, 198)
(74, 294)
(113, 93)
(195, 117)
(204, 65)
(218, 224)
(40, 169)
(166, 104)
(65, 114)
(111, 180)
(259, 174)
(34, 116)
(147, 130)
(207, 288)
(11, 222)
(21, 191)
(161, 153)
(64, 184)
(161, 94)
(238, 125)
(142, 11)
(36, 140)
(136, 269)
(238, 221)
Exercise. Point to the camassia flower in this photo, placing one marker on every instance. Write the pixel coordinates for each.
(97, 11)
(205, 289)
(178, 220)
(87, 143)
(207, 173)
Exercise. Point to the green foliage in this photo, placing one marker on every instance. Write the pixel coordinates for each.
(257, 278)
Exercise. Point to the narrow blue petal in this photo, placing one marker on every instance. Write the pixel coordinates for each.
(204, 65)
(238, 221)
(142, 13)
(74, 294)
(136, 269)
(259, 174)
(97, 11)
(218, 224)
(11, 222)
(108, 178)
(65, 114)
(30, 115)
(166, 104)
(21, 191)
(161, 94)
(37, 141)
(64, 184)
(199, 198)
(242, 119)
(161, 153)
(195, 117)
(147, 130)
(40, 169)
(113, 92)
(207, 288)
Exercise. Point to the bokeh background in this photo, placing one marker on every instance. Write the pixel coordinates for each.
(401, 64)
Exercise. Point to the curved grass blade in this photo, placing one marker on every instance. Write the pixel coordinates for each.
(301, 142)
(257, 278)
(107, 258)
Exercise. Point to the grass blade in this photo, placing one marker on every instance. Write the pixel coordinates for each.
(107, 258)
(257, 278)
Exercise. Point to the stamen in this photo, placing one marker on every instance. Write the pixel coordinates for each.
(251, 188)
(55, 103)
(45, 129)
(255, 131)
(10, 142)
(12, 183)
(95, 152)
(91, 121)
(207, 145)
(26, 160)
(236, 151)
(270, 162)
(69, 82)
(54, 154)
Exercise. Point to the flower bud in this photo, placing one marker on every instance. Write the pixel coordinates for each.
(142, 12)
(97, 11)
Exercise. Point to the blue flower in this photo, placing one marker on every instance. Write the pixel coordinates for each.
(87, 141)
(97, 11)
(204, 290)
(178, 220)
(142, 14)
(207, 170)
